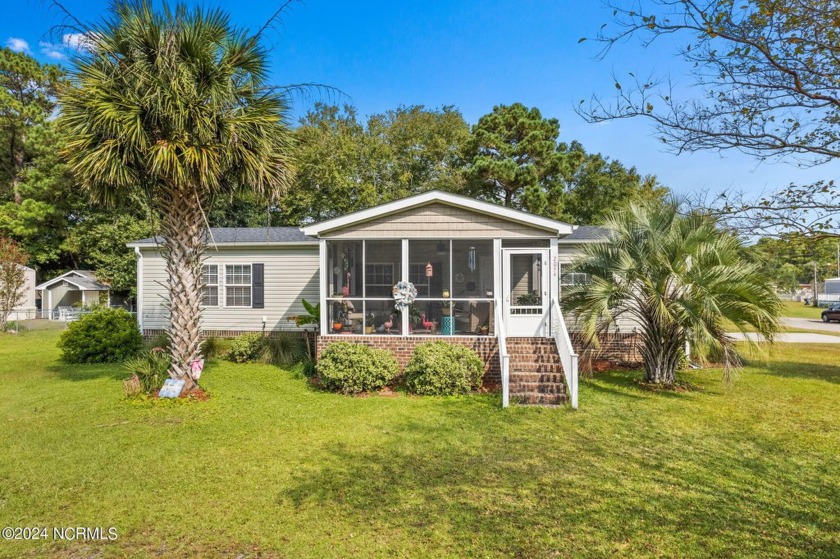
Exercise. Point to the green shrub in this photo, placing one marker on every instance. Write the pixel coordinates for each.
(443, 369)
(352, 368)
(211, 347)
(103, 336)
(160, 340)
(151, 368)
(284, 349)
(246, 348)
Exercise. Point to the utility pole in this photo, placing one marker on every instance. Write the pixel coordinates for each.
(816, 303)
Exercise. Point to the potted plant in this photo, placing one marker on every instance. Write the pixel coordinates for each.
(370, 320)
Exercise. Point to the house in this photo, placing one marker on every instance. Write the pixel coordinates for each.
(487, 277)
(28, 306)
(63, 296)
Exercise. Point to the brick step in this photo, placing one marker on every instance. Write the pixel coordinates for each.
(536, 399)
(536, 367)
(520, 376)
(529, 352)
(537, 388)
(552, 361)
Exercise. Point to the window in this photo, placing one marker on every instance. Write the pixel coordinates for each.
(574, 278)
(238, 285)
(380, 274)
(209, 285)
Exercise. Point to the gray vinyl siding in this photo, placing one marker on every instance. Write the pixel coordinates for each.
(437, 221)
(291, 274)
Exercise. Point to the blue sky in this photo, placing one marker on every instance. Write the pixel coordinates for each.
(469, 54)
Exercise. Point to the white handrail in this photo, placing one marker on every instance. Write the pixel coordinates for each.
(504, 358)
(567, 352)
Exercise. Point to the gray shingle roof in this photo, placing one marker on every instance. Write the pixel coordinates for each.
(246, 235)
(83, 279)
(586, 233)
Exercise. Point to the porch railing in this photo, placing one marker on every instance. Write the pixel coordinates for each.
(504, 357)
(567, 352)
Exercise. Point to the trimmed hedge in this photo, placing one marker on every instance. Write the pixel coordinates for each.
(103, 336)
(443, 369)
(353, 368)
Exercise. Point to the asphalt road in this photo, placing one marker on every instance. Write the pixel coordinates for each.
(812, 324)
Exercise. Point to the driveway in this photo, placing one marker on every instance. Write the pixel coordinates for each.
(811, 324)
(793, 338)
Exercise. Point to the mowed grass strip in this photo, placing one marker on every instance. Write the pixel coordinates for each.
(270, 467)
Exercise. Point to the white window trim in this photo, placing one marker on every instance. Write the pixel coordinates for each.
(217, 285)
(389, 264)
(248, 285)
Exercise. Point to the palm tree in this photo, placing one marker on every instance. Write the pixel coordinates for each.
(678, 278)
(174, 104)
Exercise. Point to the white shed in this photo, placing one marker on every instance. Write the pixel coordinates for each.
(72, 290)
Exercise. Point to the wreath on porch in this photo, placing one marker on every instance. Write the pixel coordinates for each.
(404, 295)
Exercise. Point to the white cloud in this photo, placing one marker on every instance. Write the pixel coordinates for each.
(17, 45)
(52, 51)
(76, 41)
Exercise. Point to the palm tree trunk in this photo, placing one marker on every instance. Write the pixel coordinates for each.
(183, 245)
(662, 351)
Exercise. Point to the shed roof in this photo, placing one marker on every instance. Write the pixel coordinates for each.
(83, 279)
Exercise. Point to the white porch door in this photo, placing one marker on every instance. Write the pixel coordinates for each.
(525, 290)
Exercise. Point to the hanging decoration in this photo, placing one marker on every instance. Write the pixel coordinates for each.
(430, 271)
(471, 259)
(404, 295)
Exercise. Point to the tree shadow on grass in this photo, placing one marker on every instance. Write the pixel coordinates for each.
(793, 369)
(487, 484)
(76, 373)
(626, 383)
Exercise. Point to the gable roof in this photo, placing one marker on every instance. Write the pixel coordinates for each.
(432, 196)
(83, 279)
(242, 236)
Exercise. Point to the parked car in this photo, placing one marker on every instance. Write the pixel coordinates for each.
(831, 313)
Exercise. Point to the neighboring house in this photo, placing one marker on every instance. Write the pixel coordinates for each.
(61, 297)
(830, 292)
(28, 306)
(483, 273)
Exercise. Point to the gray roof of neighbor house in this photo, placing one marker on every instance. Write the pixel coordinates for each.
(244, 236)
(83, 279)
(587, 233)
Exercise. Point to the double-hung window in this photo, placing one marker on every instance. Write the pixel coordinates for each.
(209, 285)
(238, 285)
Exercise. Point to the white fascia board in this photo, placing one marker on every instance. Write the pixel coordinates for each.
(556, 227)
(311, 244)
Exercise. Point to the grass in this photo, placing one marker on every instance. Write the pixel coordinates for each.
(270, 467)
(795, 309)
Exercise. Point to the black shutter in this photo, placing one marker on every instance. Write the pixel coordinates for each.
(257, 286)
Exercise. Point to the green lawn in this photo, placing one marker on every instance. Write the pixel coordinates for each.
(272, 468)
(795, 309)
